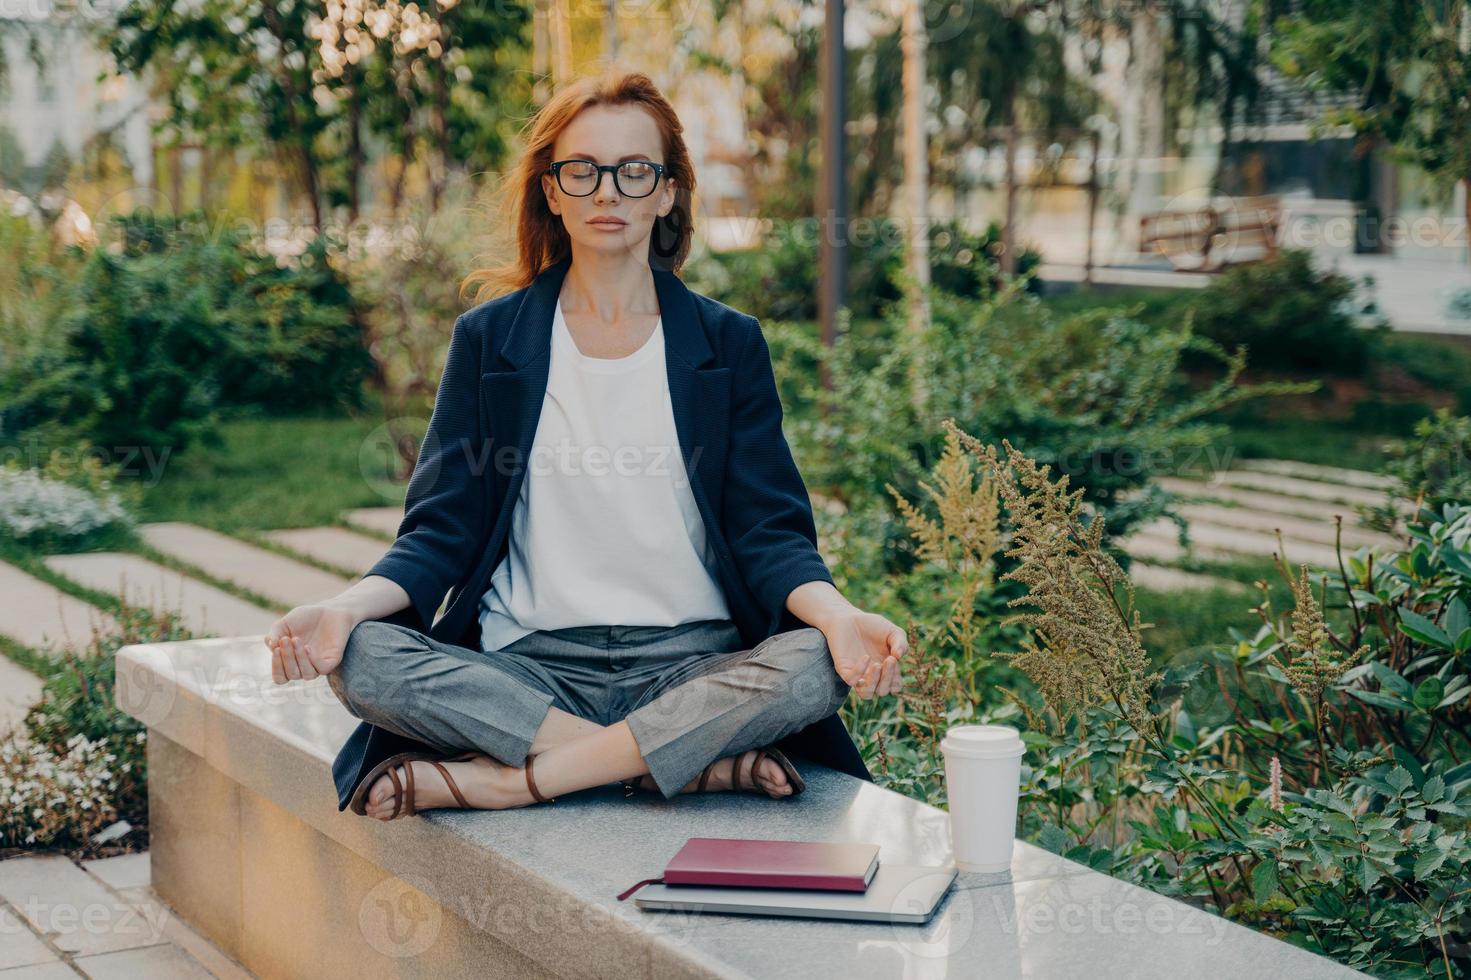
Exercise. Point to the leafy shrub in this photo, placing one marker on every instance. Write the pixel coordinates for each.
(78, 762)
(1435, 464)
(59, 502)
(1099, 395)
(779, 279)
(60, 799)
(1289, 316)
(156, 337)
(1306, 780)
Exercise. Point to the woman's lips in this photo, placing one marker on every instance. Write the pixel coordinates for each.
(607, 223)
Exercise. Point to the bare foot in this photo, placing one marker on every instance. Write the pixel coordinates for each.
(770, 776)
(485, 783)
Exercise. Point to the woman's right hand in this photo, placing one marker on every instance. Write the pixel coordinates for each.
(308, 641)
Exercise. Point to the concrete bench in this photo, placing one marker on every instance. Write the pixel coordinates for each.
(248, 846)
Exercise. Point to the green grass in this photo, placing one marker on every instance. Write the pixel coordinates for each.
(275, 473)
(1304, 440)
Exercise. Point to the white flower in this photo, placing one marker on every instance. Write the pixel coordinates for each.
(30, 503)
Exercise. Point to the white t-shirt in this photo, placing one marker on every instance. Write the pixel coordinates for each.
(605, 529)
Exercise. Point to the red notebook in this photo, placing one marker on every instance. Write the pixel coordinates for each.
(742, 863)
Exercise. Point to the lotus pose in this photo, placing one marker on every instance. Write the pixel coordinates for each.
(607, 504)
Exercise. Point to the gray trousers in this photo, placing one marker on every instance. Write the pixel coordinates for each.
(688, 693)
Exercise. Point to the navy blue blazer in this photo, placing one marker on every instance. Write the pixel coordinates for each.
(455, 529)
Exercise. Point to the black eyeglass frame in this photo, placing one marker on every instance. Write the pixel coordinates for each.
(556, 171)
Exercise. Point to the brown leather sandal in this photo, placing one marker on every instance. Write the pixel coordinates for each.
(404, 796)
(531, 784)
(794, 778)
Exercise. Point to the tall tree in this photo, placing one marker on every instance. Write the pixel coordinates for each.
(306, 81)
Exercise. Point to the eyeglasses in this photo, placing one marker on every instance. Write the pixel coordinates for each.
(632, 178)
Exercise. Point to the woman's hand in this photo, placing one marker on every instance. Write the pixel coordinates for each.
(866, 649)
(308, 641)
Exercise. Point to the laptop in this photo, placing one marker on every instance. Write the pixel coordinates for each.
(906, 893)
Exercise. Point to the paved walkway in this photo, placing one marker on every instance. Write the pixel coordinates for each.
(1237, 515)
(60, 918)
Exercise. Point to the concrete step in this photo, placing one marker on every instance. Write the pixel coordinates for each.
(1292, 486)
(204, 609)
(1162, 579)
(335, 546)
(1293, 528)
(228, 559)
(1270, 503)
(382, 521)
(1314, 471)
(41, 616)
(1213, 541)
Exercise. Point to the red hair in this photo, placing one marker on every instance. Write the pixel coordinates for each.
(540, 238)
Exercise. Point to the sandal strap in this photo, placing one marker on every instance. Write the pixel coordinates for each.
(409, 808)
(531, 784)
(450, 782)
(735, 771)
(397, 791)
(704, 777)
(761, 756)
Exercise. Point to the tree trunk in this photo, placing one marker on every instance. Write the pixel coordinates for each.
(1142, 124)
(916, 184)
(303, 150)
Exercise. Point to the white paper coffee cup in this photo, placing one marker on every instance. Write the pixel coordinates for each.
(983, 778)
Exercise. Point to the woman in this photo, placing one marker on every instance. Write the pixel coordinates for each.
(605, 448)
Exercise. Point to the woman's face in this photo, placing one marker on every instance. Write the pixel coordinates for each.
(610, 134)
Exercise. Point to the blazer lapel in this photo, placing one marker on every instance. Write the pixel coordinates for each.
(699, 392)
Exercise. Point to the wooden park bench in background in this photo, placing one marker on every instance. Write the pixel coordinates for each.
(1227, 231)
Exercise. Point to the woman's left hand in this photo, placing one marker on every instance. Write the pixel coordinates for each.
(866, 649)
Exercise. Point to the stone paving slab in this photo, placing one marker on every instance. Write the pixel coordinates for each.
(1291, 486)
(228, 559)
(1212, 540)
(73, 910)
(38, 615)
(19, 689)
(19, 946)
(1315, 471)
(335, 546)
(1162, 579)
(181, 934)
(1271, 503)
(120, 871)
(382, 521)
(1293, 528)
(204, 609)
(45, 971)
(164, 962)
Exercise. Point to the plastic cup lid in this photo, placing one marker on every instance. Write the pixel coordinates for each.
(983, 741)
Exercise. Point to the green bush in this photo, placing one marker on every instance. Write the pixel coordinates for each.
(1435, 465)
(1289, 316)
(779, 279)
(155, 338)
(1099, 395)
(78, 762)
(1308, 780)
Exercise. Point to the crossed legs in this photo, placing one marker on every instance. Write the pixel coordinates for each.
(706, 708)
